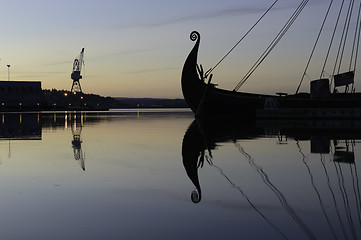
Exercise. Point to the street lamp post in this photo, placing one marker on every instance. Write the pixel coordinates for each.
(8, 72)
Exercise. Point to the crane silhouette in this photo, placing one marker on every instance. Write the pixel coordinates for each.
(76, 74)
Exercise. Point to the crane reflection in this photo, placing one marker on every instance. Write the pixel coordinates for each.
(76, 128)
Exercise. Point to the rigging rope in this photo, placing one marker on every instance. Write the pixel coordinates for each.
(343, 43)
(346, 28)
(332, 38)
(314, 46)
(279, 36)
(254, 25)
(356, 39)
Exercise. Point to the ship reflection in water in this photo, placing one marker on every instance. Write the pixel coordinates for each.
(315, 192)
(28, 126)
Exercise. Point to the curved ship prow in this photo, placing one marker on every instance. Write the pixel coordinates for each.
(191, 84)
(205, 99)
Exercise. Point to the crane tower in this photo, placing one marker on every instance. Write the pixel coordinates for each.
(76, 74)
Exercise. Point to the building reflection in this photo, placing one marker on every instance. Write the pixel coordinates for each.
(29, 126)
(17, 126)
(333, 141)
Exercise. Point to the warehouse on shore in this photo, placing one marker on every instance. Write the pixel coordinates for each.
(20, 95)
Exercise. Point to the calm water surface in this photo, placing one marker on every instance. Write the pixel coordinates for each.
(158, 174)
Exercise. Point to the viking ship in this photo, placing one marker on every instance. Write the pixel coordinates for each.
(329, 97)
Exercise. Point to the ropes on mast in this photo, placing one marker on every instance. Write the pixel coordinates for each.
(356, 40)
(333, 35)
(279, 36)
(337, 78)
(344, 34)
(314, 46)
(342, 79)
(358, 35)
(254, 25)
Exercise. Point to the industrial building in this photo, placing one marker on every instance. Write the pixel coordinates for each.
(20, 95)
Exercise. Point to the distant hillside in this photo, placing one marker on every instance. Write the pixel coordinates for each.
(122, 102)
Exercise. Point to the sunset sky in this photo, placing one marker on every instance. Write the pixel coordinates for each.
(136, 48)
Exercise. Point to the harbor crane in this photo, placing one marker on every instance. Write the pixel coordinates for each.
(76, 74)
